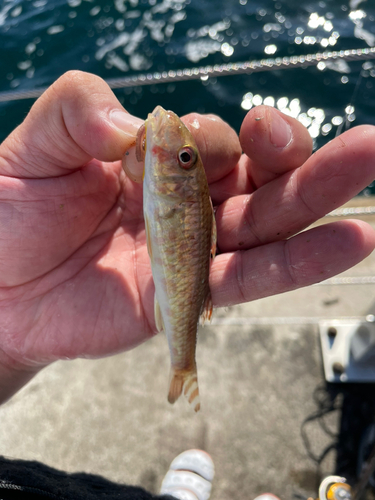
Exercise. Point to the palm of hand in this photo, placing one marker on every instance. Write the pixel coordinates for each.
(74, 265)
(75, 278)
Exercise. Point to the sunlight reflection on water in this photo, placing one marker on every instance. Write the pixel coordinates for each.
(121, 37)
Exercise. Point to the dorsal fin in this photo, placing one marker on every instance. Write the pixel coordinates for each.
(206, 314)
(213, 234)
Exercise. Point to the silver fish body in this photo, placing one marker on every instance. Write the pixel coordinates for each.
(181, 238)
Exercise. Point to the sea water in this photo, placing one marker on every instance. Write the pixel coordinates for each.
(42, 39)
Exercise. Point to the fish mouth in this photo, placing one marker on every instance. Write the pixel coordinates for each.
(161, 124)
(160, 114)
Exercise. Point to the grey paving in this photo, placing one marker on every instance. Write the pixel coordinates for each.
(257, 378)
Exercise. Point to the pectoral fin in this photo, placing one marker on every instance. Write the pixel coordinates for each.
(148, 237)
(158, 316)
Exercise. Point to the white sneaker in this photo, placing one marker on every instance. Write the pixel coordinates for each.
(267, 496)
(190, 476)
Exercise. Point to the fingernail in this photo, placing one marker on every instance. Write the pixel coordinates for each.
(132, 167)
(125, 121)
(281, 133)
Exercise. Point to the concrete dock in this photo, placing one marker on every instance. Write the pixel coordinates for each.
(259, 365)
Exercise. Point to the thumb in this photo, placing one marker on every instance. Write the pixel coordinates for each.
(78, 118)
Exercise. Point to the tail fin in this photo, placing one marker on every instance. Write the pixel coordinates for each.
(187, 381)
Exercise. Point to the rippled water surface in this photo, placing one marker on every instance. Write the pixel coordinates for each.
(41, 39)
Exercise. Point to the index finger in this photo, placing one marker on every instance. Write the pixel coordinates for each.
(218, 145)
(273, 143)
(217, 142)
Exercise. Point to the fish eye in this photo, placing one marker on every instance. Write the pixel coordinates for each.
(187, 157)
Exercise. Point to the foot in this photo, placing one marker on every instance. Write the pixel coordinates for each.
(267, 496)
(190, 476)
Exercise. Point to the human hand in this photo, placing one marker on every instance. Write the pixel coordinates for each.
(274, 193)
(75, 278)
(75, 274)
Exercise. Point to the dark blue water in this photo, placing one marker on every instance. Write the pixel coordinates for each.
(41, 39)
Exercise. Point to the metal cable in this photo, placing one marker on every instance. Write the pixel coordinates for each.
(365, 476)
(214, 71)
(347, 211)
(348, 280)
(281, 320)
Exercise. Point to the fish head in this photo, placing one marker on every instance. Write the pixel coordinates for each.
(170, 149)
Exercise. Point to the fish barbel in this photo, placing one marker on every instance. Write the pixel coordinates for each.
(181, 241)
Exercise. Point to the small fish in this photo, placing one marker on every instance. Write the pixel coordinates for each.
(181, 241)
